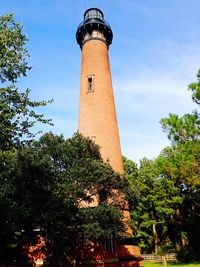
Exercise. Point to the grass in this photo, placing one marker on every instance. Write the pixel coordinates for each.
(155, 264)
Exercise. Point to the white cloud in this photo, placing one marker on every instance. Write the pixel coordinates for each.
(151, 93)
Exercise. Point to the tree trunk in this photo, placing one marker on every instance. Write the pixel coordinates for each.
(156, 239)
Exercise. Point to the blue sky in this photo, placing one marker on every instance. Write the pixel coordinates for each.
(154, 56)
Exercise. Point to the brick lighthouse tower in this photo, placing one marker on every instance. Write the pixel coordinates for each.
(97, 115)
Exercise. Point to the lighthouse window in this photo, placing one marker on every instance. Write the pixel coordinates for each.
(93, 14)
(90, 84)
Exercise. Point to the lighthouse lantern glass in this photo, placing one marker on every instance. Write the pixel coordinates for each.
(93, 14)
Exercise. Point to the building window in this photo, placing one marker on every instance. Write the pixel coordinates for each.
(90, 83)
(109, 244)
(112, 243)
(105, 245)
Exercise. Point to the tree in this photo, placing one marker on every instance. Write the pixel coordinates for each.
(177, 165)
(182, 166)
(17, 115)
(182, 129)
(153, 202)
(195, 88)
(57, 178)
(184, 132)
(13, 54)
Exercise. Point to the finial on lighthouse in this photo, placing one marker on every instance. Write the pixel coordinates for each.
(94, 27)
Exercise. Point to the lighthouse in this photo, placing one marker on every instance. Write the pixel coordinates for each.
(98, 121)
(97, 113)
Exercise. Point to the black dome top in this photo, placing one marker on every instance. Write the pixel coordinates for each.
(94, 21)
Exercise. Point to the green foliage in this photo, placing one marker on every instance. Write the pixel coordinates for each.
(131, 168)
(13, 54)
(181, 164)
(195, 88)
(153, 203)
(188, 254)
(182, 129)
(184, 132)
(17, 115)
(44, 185)
(165, 192)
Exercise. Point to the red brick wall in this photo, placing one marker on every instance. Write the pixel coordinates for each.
(97, 115)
